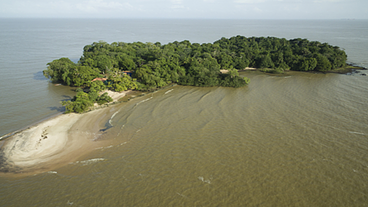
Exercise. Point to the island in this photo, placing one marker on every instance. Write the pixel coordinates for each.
(141, 66)
(106, 72)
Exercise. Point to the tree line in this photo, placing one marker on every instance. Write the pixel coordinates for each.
(154, 65)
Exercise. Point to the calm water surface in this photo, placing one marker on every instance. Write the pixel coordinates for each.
(296, 140)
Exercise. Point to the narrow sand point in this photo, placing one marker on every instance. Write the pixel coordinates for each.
(116, 96)
(54, 142)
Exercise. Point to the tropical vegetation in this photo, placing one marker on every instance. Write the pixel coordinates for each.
(154, 65)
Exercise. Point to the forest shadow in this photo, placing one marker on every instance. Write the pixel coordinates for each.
(57, 108)
(60, 108)
(39, 76)
(66, 98)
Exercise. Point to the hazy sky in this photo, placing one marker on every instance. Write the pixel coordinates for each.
(222, 9)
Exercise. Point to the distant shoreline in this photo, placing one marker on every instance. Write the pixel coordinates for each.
(349, 68)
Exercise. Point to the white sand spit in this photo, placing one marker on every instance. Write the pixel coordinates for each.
(116, 95)
(40, 142)
(55, 142)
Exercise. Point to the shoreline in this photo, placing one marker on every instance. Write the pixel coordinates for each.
(53, 143)
(26, 151)
(38, 143)
(55, 140)
(10, 134)
(350, 68)
(116, 96)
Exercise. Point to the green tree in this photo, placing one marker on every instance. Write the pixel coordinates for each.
(265, 61)
(323, 64)
(97, 86)
(79, 104)
(233, 72)
(60, 70)
(122, 83)
(82, 75)
(104, 98)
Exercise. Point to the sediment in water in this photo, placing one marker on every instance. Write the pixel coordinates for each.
(56, 141)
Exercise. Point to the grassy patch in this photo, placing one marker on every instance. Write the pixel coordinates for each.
(347, 69)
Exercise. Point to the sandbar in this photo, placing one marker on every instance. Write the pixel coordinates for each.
(55, 142)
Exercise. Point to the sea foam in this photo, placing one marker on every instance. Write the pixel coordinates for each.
(90, 161)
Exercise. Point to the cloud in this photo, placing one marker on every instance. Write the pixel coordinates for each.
(256, 9)
(176, 1)
(327, 1)
(102, 5)
(177, 4)
(290, 9)
(249, 1)
(66, 8)
(177, 7)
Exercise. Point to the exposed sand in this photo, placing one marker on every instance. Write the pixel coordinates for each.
(54, 142)
(114, 95)
(247, 68)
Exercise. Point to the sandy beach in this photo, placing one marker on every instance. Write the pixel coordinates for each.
(116, 95)
(55, 142)
(247, 68)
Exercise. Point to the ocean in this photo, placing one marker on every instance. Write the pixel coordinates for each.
(296, 140)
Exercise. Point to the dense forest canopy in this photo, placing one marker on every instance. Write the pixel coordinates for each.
(153, 65)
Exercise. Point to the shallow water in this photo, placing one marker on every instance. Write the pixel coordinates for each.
(281, 141)
(27, 45)
(296, 140)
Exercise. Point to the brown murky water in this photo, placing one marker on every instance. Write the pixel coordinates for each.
(298, 140)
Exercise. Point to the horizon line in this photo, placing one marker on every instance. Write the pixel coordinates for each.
(170, 18)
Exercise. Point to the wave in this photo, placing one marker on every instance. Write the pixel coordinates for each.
(90, 161)
(356, 133)
(204, 180)
(143, 101)
(204, 96)
(110, 120)
(168, 91)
